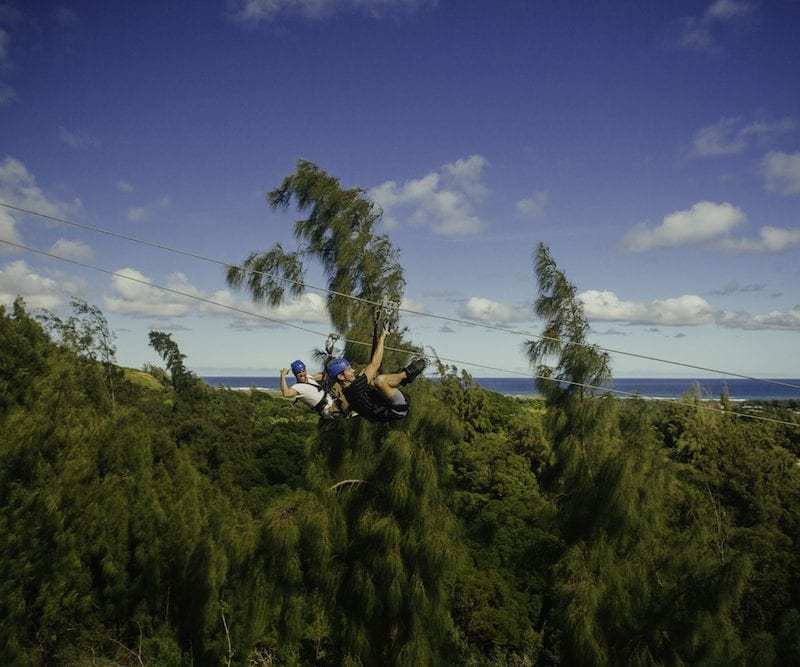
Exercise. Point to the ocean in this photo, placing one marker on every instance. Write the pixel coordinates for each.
(739, 389)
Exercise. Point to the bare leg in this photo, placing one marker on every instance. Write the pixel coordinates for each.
(387, 383)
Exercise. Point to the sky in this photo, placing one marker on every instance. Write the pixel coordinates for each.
(653, 147)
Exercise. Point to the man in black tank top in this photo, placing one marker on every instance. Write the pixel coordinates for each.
(373, 395)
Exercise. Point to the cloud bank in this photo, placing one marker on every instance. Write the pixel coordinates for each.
(39, 291)
(703, 222)
(686, 310)
(133, 294)
(480, 309)
(711, 225)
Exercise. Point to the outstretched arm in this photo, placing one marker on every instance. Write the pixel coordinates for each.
(371, 369)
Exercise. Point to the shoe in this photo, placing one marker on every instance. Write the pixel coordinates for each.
(413, 369)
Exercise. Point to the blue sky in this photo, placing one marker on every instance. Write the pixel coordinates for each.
(653, 147)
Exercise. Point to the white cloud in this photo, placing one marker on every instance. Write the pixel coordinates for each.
(720, 139)
(704, 222)
(414, 305)
(133, 297)
(139, 213)
(771, 240)
(256, 11)
(693, 34)
(698, 33)
(465, 174)
(75, 250)
(729, 9)
(19, 188)
(136, 213)
(533, 207)
(775, 320)
(781, 172)
(133, 294)
(18, 279)
(308, 309)
(729, 136)
(486, 310)
(687, 310)
(77, 139)
(442, 201)
(8, 231)
(124, 186)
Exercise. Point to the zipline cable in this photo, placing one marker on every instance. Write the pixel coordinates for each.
(356, 342)
(444, 318)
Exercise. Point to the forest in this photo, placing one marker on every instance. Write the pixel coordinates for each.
(150, 519)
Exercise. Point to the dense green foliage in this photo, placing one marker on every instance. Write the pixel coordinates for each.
(190, 525)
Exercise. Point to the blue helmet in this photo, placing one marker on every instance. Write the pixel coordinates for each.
(298, 366)
(336, 366)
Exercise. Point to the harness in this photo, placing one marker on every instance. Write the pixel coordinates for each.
(319, 408)
(367, 403)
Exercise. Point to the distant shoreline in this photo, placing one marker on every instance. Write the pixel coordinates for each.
(737, 389)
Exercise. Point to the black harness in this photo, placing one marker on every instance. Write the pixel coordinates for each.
(366, 401)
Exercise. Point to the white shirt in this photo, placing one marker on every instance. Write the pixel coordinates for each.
(311, 394)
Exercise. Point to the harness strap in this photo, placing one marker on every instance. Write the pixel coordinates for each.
(319, 408)
(362, 398)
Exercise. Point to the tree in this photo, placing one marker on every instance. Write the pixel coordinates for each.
(183, 380)
(359, 555)
(747, 489)
(361, 266)
(397, 541)
(115, 544)
(87, 333)
(640, 581)
(579, 421)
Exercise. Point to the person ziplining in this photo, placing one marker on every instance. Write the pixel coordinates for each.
(308, 390)
(372, 394)
(312, 390)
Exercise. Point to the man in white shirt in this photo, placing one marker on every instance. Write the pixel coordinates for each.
(308, 390)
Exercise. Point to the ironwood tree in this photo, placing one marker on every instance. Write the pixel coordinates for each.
(641, 580)
(339, 231)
